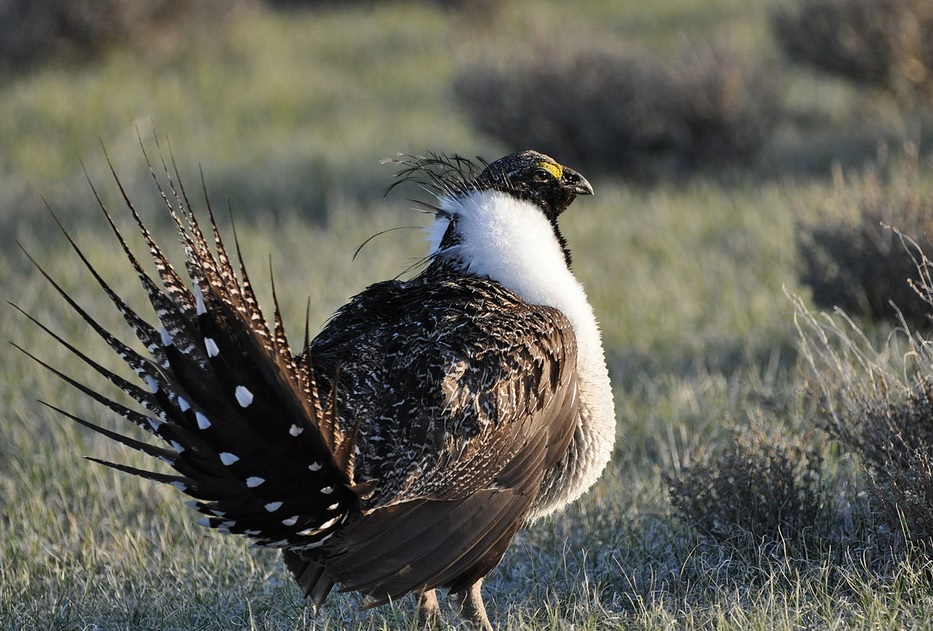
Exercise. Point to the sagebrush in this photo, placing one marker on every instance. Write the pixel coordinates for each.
(609, 108)
(885, 43)
(36, 30)
(762, 484)
(853, 258)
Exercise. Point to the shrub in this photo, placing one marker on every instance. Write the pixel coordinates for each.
(473, 10)
(879, 405)
(608, 108)
(762, 484)
(853, 260)
(894, 437)
(887, 43)
(32, 30)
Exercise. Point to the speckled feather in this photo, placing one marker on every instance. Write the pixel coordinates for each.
(438, 380)
(453, 398)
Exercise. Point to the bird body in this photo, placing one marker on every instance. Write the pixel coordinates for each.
(406, 444)
(510, 241)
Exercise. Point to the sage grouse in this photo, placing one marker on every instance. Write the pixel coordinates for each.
(403, 448)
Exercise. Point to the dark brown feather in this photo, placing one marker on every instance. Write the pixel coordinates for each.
(462, 408)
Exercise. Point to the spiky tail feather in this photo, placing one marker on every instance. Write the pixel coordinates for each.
(242, 423)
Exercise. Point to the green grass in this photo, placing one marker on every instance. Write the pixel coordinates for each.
(288, 115)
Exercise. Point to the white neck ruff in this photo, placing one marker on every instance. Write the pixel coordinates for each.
(511, 241)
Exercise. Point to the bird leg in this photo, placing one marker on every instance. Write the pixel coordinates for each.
(429, 611)
(472, 609)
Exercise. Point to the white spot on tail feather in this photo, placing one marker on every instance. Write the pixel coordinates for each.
(199, 300)
(314, 466)
(243, 396)
(166, 338)
(211, 347)
(327, 490)
(273, 506)
(228, 458)
(291, 521)
(203, 421)
(254, 481)
(183, 405)
(294, 430)
(310, 532)
(315, 544)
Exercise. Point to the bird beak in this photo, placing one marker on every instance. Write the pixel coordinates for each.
(576, 182)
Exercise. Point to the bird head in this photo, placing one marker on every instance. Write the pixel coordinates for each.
(527, 175)
(536, 177)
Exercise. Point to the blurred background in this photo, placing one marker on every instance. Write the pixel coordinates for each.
(289, 104)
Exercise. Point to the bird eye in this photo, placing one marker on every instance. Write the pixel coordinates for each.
(541, 175)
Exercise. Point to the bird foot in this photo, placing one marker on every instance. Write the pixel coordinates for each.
(429, 611)
(472, 610)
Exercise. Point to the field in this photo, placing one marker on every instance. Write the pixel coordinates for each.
(287, 115)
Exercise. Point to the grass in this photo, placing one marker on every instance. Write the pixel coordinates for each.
(289, 115)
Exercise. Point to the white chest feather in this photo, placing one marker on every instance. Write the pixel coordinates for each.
(512, 242)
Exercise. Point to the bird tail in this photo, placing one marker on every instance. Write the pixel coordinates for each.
(239, 417)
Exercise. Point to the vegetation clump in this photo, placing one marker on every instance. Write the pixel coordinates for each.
(759, 484)
(34, 30)
(884, 43)
(878, 403)
(608, 108)
(853, 257)
(893, 435)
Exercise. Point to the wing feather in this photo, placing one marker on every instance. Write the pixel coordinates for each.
(474, 405)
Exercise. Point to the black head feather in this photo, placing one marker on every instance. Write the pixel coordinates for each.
(538, 178)
(527, 174)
